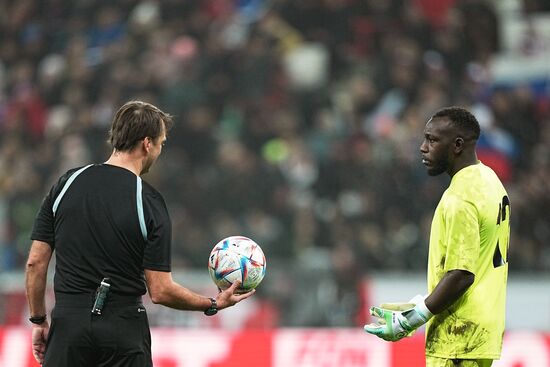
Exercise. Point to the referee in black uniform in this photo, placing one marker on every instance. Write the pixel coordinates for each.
(112, 235)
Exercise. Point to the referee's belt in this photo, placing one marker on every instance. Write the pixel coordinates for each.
(87, 300)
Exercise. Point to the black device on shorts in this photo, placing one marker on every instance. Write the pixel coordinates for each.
(100, 296)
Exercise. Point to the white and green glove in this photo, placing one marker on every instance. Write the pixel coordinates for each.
(398, 320)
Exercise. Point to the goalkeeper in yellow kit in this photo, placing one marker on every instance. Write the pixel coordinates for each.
(467, 263)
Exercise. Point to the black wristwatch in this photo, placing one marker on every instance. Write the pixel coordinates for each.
(213, 309)
(37, 319)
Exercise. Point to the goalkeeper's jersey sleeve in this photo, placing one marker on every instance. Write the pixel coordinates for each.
(470, 231)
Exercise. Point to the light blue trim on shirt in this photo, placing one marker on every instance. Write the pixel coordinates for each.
(66, 187)
(139, 202)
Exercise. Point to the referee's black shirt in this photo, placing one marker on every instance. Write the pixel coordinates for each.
(96, 232)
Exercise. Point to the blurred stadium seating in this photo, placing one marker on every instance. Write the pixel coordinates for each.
(297, 123)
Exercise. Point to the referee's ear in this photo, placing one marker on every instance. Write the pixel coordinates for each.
(147, 143)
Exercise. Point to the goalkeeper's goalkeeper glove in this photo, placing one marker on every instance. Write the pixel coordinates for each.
(398, 319)
(399, 306)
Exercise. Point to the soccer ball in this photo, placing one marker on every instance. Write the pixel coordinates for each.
(237, 258)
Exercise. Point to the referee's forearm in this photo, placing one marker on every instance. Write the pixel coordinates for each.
(180, 298)
(35, 285)
(165, 291)
(36, 274)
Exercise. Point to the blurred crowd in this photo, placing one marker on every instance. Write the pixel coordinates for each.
(297, 123)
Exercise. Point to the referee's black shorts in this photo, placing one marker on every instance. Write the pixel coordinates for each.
(119, 337)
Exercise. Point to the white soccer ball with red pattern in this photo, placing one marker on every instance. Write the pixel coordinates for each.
(237, 258)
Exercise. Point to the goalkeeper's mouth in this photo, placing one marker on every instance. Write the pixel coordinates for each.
(426, 162)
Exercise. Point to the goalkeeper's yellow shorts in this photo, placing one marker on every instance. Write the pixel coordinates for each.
(445, 362)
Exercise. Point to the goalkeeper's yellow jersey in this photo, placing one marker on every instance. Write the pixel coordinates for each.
(470, 231)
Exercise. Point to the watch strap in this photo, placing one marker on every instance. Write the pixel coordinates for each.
(37, 319)
(213, 309)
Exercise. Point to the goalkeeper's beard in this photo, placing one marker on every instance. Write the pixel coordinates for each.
(438, 167)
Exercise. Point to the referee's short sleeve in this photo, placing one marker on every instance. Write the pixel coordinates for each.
(43, 228)
(44, 223)
(157, 252)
